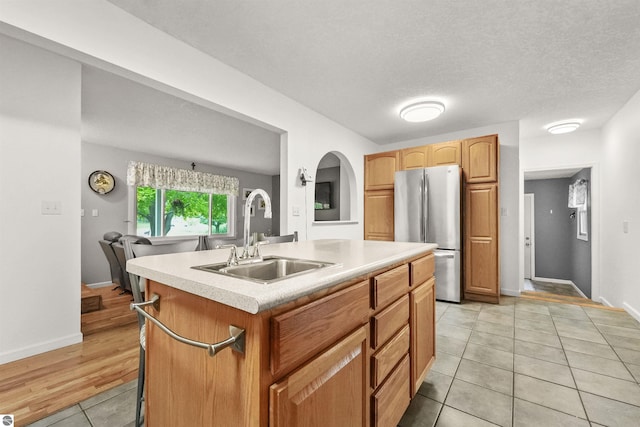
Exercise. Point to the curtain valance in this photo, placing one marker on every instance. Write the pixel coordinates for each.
(142, 174)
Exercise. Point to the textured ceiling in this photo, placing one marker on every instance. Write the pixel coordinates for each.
(489, 61)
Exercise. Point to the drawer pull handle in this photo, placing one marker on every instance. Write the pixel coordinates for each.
(236, 339)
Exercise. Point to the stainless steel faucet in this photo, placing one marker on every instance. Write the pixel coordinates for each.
(247, 218)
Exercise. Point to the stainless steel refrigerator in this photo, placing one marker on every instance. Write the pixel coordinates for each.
(427, 209)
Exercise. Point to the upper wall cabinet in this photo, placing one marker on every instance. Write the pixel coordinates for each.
(380, 169)
(480, 159)
(414, 157)
(445, 153)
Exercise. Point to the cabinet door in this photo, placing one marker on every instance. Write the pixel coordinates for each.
(390, 401)
(378, 215)
(414, 157)
(480, 159)
(481, 243)
(379, 170)
(330, 390)
(445, 153)
(423, 332)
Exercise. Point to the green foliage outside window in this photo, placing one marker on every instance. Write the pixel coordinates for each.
(187, 205)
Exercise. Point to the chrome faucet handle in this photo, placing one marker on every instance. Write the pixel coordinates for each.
(256, 248)
(233, 254)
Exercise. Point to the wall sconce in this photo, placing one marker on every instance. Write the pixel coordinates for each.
(305, 176)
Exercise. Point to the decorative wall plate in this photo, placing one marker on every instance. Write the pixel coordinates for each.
(102, 182)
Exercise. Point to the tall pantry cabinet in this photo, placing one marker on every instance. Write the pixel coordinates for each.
(479, 159)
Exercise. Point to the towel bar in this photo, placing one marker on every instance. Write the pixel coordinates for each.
(236, 340)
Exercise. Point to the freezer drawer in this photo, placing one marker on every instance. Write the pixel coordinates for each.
(448, 285)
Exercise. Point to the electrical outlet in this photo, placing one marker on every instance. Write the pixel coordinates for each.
(296, 210)
(625, 227)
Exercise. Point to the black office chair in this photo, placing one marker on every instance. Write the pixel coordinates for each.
(132, 249)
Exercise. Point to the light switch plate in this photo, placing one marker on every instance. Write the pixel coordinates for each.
(625, 227)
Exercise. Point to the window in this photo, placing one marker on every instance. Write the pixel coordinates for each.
(183, 213)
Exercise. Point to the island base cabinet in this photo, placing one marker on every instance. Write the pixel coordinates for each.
(392, 398)
(328, 391)
(187, 387)
(423, 332)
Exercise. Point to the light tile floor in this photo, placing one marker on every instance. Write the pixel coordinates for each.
(520, 363)
(530, 363)
(553, 288)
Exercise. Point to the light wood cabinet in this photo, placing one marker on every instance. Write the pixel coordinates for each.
(445, 153)
(480, 159)
(390, 401)
(423, 332)
(378, 215)
(300, 333)
(414, 157)
(481, 243)
(330, 390)
(312, 362)
(379, 170)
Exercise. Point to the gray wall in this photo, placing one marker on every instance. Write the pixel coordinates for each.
(331, 175)
(581, 250)
(552, 227)
(112, 208)
(559, 253)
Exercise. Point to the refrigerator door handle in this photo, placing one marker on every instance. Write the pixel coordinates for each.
(425, 207)
(422, 213)
(443, 255)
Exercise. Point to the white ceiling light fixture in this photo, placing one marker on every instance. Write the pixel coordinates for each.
(422, 111)
(563, 127)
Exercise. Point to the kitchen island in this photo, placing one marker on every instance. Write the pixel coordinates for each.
(347, 344)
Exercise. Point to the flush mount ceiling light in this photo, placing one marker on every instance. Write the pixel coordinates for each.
(422, 111)
(563, 127)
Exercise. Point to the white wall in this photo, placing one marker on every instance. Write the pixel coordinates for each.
(579, 149)
(508, 134)
(39, 161)
(621, 202)
(44, 137)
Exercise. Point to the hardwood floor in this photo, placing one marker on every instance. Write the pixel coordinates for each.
(38, 386)
(115, 312)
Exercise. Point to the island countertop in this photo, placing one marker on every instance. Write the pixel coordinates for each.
(352, 258)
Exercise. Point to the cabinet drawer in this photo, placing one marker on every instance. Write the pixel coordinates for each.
(383, 361)
(389, 286)
(305, 331)
(422, 269)
(388, 321)
(392, 399)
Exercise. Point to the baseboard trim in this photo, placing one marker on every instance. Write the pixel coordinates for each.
(39, 348)
(99, 285)
(562, 282)
(632, 311)
(604, 301)
(546, 279)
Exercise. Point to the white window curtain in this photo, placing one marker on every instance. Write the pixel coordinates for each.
(578, 194)
(141, 174)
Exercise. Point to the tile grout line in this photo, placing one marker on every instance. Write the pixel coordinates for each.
(586, 414)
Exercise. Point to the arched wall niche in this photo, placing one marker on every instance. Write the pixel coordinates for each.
(335, 192)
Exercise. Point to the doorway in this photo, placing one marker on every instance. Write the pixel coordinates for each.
(529, 233)
(557, 257)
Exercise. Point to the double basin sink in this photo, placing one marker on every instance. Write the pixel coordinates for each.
(268, 270)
